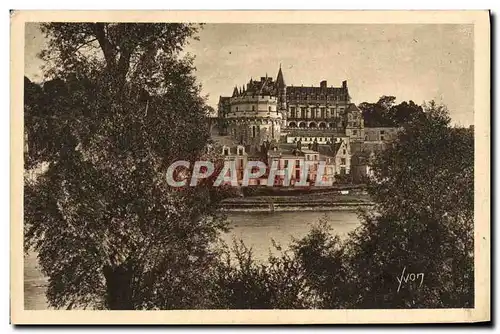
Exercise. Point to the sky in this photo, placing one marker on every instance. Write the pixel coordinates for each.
(412, 62)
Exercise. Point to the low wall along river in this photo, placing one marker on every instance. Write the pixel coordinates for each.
(256, 229)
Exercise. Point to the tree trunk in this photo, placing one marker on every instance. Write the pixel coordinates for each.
(119, 287)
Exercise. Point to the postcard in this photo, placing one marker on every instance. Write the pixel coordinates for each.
(250, 167)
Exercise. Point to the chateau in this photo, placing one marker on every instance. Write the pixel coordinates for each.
(268, 110)
(292, 125)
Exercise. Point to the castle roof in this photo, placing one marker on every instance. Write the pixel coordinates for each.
(329, 150)
(280, 81)
(352, 107)
(330, 91)
(235, 92)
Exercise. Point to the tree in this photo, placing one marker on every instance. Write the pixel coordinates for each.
(376, 114)
(423, 221)
(415, 249)
(385, 113)
(119, 105)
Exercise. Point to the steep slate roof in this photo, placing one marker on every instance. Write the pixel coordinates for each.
(329, 150)
(352, 107)
(280, 81)
(331, 91)
(265, 86)
(235, 91)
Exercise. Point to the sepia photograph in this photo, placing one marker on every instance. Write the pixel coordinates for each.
(275, 164)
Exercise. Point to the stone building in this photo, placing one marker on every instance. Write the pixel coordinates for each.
(268, 110)
(328, 110)
(283, 123)
(252, 115)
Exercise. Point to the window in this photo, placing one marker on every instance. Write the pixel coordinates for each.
(354, 132)
(323, 112)
(342, 171)
(382, 132)
(297, 164)
(286, 163)
(236, 108)
(240, 151)
(343, 152)
(303, 112)
(381, 137)
(292, 111)
(342, 161)
(226, 151)
(269, 108)
(253, 108)
(253, 131)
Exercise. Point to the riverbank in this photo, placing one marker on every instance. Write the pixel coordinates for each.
(328, 201)
(256, 230)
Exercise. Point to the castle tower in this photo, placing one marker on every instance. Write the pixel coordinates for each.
(281, 96)
(253, 115)
(281, 91)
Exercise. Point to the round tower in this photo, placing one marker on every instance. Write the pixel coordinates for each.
(254, 115)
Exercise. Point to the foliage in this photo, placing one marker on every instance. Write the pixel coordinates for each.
(109, 231)
(343, 178)
(385, 113)
(422, 223)
(120, 104)
(239, 281)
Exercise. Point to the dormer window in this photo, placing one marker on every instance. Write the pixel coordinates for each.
(226, 151)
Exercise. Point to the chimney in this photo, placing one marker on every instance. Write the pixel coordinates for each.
(344, 84)
(323, 84)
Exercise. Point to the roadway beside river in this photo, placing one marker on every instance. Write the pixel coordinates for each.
(328, 200)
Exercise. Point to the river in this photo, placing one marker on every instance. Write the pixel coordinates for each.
(255, 229)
